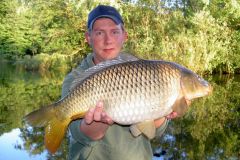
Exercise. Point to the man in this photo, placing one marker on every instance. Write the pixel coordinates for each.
(97, 136)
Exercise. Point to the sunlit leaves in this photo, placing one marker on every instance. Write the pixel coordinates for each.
(203, 35)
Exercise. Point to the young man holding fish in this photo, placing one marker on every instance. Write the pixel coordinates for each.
(96, 136)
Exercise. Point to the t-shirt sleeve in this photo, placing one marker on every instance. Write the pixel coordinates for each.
(77, 135)
(74, 129)
(67, 84)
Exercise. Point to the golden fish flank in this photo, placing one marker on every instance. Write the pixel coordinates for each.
(134, 92)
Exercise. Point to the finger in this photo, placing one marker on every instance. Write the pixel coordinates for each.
(97, 116)
(103, 114)
(169, 116)
(109, 121)
(89, 116)
(172, 115)
(106, 118)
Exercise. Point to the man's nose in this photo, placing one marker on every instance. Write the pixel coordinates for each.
(108, 38)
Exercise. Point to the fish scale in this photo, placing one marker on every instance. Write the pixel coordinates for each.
(120, 87)
(141, 93)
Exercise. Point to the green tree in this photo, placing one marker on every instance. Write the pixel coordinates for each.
(203, 35)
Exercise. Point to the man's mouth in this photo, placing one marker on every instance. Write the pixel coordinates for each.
(108, 49)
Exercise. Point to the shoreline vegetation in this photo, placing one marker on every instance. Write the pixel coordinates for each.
(49, 36)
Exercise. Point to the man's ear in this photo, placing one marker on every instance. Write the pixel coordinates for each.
(88, 38)
(125, 36)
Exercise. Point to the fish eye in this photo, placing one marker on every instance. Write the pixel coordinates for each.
(199, 78)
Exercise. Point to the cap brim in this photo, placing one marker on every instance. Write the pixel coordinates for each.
(116, 20)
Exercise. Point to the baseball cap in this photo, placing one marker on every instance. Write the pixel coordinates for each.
(103, 11)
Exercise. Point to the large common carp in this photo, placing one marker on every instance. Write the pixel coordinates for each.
(134, 92)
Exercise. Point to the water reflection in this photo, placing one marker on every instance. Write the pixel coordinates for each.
(12, 147)
(210, 130)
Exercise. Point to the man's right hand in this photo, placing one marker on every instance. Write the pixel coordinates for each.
(96, 122)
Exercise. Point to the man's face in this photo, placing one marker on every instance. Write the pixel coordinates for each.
(106, 39)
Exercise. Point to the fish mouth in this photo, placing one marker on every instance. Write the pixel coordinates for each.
(204, 92)
(209, 89)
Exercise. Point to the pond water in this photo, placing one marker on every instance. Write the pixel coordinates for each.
(210, 130)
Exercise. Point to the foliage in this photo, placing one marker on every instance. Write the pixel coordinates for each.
(200, 40)
(203, 45)
(203, 35)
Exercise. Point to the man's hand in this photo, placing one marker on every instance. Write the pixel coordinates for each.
(98, 115)
(96, 122)
(160, 121)
(172, 115)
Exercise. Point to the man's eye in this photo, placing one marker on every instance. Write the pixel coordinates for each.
(116, 32)
(98, 33)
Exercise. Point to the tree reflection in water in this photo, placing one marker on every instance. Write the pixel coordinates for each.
(33, 139)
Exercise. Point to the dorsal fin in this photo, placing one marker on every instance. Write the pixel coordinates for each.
(101, 66)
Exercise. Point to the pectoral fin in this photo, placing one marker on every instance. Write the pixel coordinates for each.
(147, 128)
(134, 130)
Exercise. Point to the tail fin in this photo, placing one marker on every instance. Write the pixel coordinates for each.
(54, 133)
(40, 117)
(55, 128)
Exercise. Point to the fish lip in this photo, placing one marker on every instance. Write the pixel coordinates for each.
(206, 92)
(210, 89)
